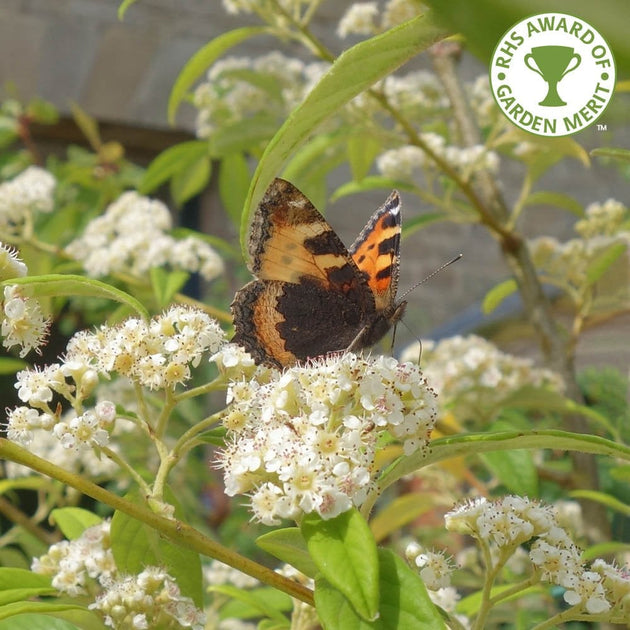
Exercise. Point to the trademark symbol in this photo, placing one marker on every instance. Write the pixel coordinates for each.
(602, 127)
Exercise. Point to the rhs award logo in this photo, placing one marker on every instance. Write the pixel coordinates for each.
(552, 74)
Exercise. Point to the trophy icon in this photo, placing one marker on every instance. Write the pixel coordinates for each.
(552, 63)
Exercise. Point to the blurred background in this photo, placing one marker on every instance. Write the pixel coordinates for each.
(121, 73)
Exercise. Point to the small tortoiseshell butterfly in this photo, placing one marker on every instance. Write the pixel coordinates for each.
(313, 296)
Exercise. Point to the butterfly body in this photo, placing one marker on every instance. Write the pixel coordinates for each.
(312, 295)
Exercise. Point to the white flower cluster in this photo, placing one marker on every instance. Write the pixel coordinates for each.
(568, 262)
(148, 600)
(435, 567)
(473, 377)
(21, 198)
(72, 381)
(610, 218)
(131, 237)
(507, 523)
(230, 95)
(304, 440)
(402, 163)
(361, 17)
(23, 323)
(415, 93)
(72, 564)
(483, 104)
(86, 566)
(157, 354)
(251, 6)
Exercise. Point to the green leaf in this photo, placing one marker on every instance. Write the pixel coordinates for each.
(23, 594)
(476, 443)
(344, 551)
(552, 198)
(35, 621)
(10, 365)
(203, 59)
(246, 136)
(309, 165)
(515, 469)
(400, 512)
(288, 545)
(10, 577)
(56, 285)
(605, 499)
(73, 521)
(258, 601)
(497, 294)
(604, 260)
(622, 155)
(167, 283)
(135, 546)
(42, 112)
(234, 179)
(470, 605)
(172, 161)
(371, 182)
(240, 609)
(602, 550)
(404, 602)
(353, 72)
(87, 125)
(417, 223)
(362, 149)
(483, 22)
(122, 9)
(188, 182)
(78, 616)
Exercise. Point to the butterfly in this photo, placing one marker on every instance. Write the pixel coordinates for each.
(312, 295)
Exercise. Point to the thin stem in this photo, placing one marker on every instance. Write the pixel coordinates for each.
(15, 515)
(188, 439)
(213, 386)
(126, 466)
(177, 531)
(165, 414)
(491, 574)
(514, 590)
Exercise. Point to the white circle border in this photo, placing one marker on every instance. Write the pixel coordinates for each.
(517, 89)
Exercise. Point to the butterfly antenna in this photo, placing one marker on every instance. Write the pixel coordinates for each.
(431, 275)
(413, 333)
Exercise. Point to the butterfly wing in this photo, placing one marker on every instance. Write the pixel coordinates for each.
(310, 297)
(376, 251)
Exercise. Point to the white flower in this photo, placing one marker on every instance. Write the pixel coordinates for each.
(588, 590)
(358, 20)
(473, 377)
(304, 440)
(84, 431)
(506, 522)
(23, 322)
(435, 568)
(72, 564)
(21, 422)
(142, 601)
(398, 11)
(10, 264)
(157, 354)
(131, 237)
(26, 195)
